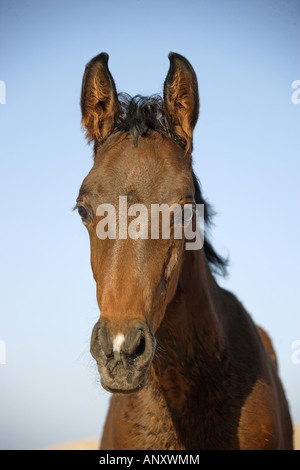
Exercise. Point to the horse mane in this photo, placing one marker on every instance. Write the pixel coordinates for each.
(217, 263)
(140, 114)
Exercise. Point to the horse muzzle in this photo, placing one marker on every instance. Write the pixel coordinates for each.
(123, 359)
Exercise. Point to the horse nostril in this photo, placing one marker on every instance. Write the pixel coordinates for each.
(101, 344)
(135, 343)
(139, 345)
(140, 349)
(105, 342)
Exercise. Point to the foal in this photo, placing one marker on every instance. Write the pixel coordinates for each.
(187, 367)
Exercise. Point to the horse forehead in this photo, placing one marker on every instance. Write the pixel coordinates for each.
(150, 165)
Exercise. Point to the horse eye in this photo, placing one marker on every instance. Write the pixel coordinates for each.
(188, 214)
(83, 213)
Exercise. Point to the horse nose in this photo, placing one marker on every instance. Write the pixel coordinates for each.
(123, 359)
(137, 343)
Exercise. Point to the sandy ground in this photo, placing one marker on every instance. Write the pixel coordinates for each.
(93, 444)
(85, 444)
(297, 437)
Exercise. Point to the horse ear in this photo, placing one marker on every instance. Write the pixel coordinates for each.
(99, 102)
(181, 98)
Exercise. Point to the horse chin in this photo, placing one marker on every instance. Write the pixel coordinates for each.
(123, 383)
(123, 391)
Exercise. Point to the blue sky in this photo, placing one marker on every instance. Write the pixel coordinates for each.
(247, 147)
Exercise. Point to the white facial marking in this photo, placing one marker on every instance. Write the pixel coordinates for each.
(118, 341)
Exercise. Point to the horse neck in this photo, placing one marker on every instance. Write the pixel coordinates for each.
(191, 327)
(187, 364)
